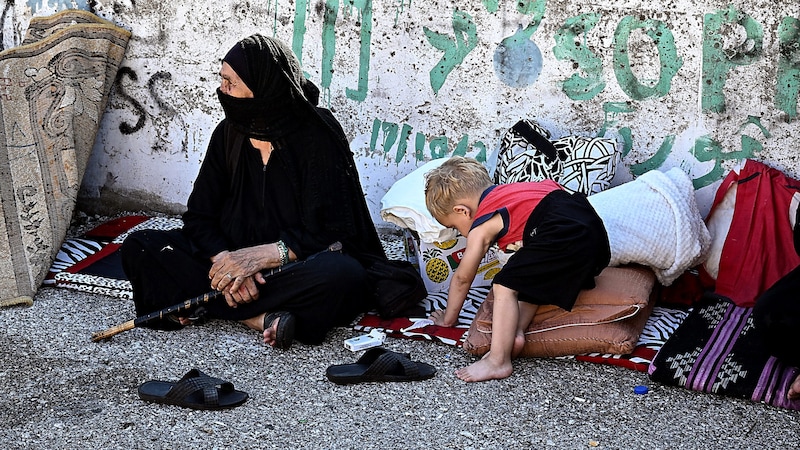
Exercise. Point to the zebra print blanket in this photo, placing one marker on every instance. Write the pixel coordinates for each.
(659, 327)
(92, 264)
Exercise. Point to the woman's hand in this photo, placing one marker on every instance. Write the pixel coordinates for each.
(246, 293)
(230, 269)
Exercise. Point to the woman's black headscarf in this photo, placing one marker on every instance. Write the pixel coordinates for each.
(282, 94)
(284, 111)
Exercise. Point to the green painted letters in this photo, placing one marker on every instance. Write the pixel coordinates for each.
(299, 28)
(329, 47)
(718, 58)
(365, 7)
(656, 160)
(667, 55)
(788, 83)
(455, 48)
(328, 44)
(402, 144)
(439, 146)
(569, 46)
(610, 111)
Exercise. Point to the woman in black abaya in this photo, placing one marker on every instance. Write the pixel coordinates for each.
(278, 185)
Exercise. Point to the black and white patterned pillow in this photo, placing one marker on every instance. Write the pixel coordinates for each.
(527, 154)
(578, 163)
(590, 166)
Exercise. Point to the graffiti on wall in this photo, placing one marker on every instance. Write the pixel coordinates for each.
(517, 53)
(453, 48)
(788, 84)
(705, 148)
(719, 59)
(166, 119)
(438, 147)
(517, 62)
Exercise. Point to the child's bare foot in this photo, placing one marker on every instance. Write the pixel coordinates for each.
(794, 389)
(519, 344)
(484, 369)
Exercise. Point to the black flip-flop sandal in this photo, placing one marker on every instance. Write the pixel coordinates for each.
(284, 335)
(380, 365)
(195, 390)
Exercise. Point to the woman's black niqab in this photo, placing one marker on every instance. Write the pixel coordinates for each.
(282, 95)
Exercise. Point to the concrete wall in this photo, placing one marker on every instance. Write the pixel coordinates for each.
(696, 84)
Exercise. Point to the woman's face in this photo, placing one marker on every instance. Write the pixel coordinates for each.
(231, 84)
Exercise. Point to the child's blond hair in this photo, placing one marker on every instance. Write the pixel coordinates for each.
(456, 179)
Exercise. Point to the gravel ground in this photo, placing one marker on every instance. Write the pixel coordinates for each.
(62, 391)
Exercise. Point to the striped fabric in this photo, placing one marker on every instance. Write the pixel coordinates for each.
(718, 350)
(71, 252)
(77, 254)
(407, 327)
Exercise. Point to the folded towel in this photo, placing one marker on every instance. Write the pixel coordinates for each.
(654, 221)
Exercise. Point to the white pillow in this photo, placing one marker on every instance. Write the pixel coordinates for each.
(404, 206)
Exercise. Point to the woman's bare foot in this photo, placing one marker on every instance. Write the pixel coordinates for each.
(254, 323)
(257, 323)
(279, 329)
(794, 389)
(271, 333)
(485, 369)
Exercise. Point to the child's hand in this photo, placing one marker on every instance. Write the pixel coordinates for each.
(438, 318)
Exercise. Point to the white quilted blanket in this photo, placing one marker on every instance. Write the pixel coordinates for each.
(654, 221)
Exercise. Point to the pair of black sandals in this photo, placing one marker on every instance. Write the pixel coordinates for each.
(197, 390)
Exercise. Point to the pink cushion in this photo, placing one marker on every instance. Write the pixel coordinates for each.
(606, 319)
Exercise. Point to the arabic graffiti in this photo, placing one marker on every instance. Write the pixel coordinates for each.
(438, 147)
(455, 48)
